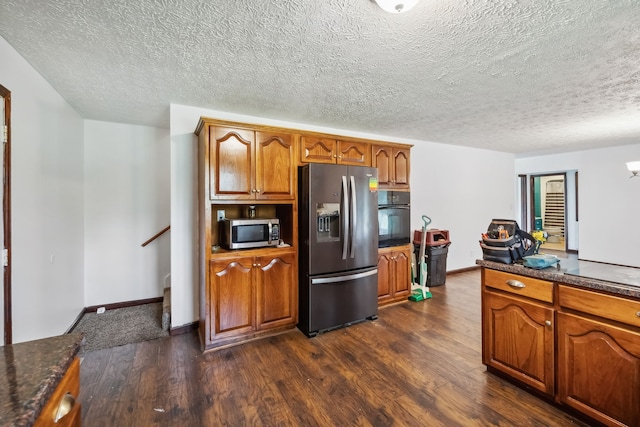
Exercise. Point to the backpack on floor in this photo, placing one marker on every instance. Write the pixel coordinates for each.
(506, 243)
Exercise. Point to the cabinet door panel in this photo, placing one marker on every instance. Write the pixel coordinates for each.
(274, 166)
(276, 290)
(354, 153)
(317, 150)
(599, 369)
(383, 161)
(231, 167)
(518, 341)
(231, 305)
(401, 168)
(402, 268)
(384, 276)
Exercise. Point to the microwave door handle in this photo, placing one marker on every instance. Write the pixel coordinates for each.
(345, 217)
(270, 231)
(354, 217)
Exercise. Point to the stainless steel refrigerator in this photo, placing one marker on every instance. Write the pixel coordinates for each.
(338, 244)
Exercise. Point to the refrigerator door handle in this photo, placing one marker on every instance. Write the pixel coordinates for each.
(354, 218)
(324, 280)
(345, 217)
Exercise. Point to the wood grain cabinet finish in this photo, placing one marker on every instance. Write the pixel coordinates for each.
(251, 165)
(394, 266)
(63, 408)
(277, 291)
(518, 328)
(231, 297)
(393, 166)
(596, 335)
(314, 149)
(599, 358)
(251, 294)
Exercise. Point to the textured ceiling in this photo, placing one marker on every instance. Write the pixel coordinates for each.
(519, 76)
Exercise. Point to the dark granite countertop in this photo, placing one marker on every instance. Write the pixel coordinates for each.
(587, 274)
(30, 373)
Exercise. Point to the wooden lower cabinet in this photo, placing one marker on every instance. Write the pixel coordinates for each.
(394, 274)
(63, 408)
(249, 295)
(599, 355)
(597, 339)
(518, 340)
(599, 370)
(277, 291)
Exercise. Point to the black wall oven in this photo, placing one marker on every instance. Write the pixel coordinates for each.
(394, 218)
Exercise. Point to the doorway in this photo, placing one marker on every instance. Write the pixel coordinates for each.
(564, 228)
(548, 210)
(5, 229)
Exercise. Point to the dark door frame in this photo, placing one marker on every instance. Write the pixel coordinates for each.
(6, 209)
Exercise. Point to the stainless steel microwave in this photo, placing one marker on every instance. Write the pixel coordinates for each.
(250, 233)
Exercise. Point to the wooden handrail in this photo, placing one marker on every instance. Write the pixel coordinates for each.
(164, 230)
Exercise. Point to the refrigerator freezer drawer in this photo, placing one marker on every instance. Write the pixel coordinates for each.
(340, 300)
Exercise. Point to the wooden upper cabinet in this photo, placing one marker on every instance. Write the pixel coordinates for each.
(231, 163)
(328, 150)
(393, 166)
(317, 150)
(251, 165)
(275, 166)
(354, 153)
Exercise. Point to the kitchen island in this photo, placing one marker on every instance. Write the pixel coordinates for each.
(37, 378)
(569, 333)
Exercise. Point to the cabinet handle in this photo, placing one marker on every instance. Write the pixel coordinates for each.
(515, 284)
(64, 407)
(547, 322)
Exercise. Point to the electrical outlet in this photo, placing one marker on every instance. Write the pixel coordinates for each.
(220, 214)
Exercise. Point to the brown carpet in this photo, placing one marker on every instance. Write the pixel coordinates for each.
(121, 326)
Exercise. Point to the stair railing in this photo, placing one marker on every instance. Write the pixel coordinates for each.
(164, 230)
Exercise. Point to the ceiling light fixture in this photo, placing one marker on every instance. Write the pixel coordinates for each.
(634, 168)
(396, 6)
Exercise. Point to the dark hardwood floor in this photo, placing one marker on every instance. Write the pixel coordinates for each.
(419, 364)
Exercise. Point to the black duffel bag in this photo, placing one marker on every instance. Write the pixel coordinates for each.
(506, 243)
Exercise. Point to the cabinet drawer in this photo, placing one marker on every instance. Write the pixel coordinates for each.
(622, 310)
(520, 285)
(70, 384)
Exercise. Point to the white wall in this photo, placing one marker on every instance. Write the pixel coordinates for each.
(608, 201)
(453, 185)
(127, 201)
(47, 203)
(461, 189)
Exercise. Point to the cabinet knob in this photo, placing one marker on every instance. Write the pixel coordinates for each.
(547, 322)
(638, 314)
(257, 190)
(335, 156)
